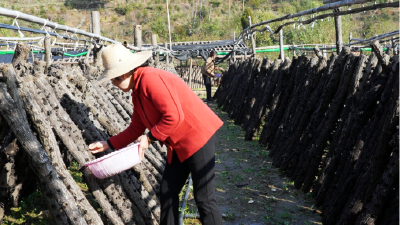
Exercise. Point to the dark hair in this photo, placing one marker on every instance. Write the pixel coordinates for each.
(213, 53)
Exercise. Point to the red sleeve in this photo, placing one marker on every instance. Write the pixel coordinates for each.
(130, 134)
(163, 94)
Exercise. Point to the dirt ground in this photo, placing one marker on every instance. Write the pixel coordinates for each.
(249, 189)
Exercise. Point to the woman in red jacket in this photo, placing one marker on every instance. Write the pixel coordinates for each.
(174, 115)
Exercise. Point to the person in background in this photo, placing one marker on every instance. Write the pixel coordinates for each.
(356, 51)
(208, 70)
(176, 117)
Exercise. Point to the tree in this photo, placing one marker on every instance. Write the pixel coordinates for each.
(245, 18)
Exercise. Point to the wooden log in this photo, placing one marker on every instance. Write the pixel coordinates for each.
(112, 187)
(317, 117)
(267, 133)
(333, 157)
(47, 55)
(75, 144)
(39, 67)
(265, 97)
(154, 161)
(157, 154)
(348, 104)
(143, 204)
(40, 160)
(299, 78)
(125, 100)
(9, 73)
(270, 105)
(240, 111)
(97, 61)
(383, 58)
(311, 93)
(376, 152)
(254, 93)
(381, 194)
(353, 165)
(57, 213)
(324, 130)
(149, 198)
(21, 54)
(154, 174)
(49, 143)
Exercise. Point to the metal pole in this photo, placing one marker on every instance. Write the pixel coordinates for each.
(282, 53)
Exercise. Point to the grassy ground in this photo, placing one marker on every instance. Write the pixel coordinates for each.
(248, 188)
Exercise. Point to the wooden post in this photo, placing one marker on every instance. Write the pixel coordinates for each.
(138, 36)
(154, 44)
(169, 28)
(253, 43)
(47, 47)
(190, 74)
(338, 28)
(21, 54)
(350, 37)
(294, 50)
(282, 53)
(96, 29)
(166, 54)
(154, 40)
(324, 51)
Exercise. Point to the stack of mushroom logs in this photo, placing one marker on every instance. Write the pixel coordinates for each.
(64, 113)
(330, 125)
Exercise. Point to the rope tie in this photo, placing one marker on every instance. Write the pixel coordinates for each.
(16, 23)
(44, 26)
(55, 31)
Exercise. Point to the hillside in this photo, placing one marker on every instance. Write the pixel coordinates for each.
(189, 23)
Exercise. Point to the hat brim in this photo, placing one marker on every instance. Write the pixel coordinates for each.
(129, 63)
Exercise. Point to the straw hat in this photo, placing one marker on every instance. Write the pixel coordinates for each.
(118, 60)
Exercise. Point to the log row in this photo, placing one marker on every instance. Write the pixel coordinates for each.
(67, 112)
(331, 125)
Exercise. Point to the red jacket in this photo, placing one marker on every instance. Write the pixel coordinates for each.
(173, 113)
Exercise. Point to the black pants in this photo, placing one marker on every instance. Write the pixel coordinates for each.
(207, 83)
(201, 166)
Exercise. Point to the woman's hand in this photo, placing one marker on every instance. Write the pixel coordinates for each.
(144, 144)
(99, 146)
